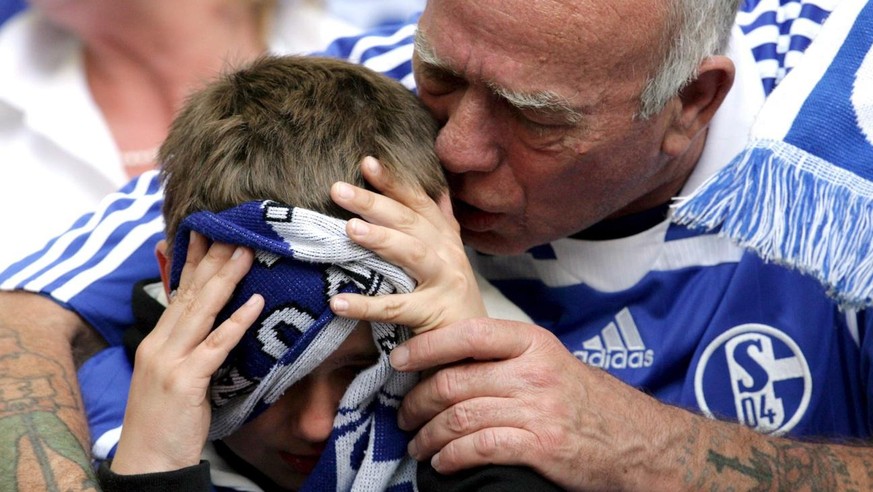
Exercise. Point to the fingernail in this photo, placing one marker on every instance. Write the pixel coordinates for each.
(344, 190)
(412, 448)
(237, 253)
(435, 462)
(339, 305)
(399, 357)
(359, 227)
(253, 299)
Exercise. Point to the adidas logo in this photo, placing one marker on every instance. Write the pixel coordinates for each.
(619, 346)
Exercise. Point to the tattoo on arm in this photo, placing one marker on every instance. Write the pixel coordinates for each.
(770, 463)
(35, 392)
(789, 465)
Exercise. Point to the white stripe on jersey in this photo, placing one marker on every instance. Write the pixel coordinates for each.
(368, 42)
(594, 262)
(132, 241)
(390, 59)
(97, 229)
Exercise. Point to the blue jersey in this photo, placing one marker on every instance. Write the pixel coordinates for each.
(685, 316)
(702, 324)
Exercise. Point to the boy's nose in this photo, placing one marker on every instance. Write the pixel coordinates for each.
(319, 406)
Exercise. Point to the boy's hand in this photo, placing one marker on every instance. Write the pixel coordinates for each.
(405, 227)
(168, 412)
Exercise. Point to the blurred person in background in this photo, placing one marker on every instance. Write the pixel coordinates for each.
(88, 89)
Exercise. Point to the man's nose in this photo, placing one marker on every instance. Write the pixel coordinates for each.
(469, 139)
(320, 401)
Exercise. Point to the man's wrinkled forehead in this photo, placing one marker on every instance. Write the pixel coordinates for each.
(590, 35)
(539, 100)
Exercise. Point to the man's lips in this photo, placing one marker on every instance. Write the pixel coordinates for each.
(474, 219)
(303, 464)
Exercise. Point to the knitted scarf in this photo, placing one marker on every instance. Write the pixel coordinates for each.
(302, 259)
(801, 193)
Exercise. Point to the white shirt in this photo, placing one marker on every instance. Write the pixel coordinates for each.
(57, 155)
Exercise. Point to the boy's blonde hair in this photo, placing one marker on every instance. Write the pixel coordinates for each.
(286, 128)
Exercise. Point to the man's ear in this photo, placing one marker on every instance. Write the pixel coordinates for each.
(698, 102)
(163, 264)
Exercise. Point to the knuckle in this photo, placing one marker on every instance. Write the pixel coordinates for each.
(173, 383)
(417, 252)
(217, 252)
(425, 437)
(551, 437)
(429, 321)
(193, 307)
(444, 385)
(459, 282)
(146, 351)
(539, 378)
(215, 339)
(391, 309)
(184, 295)
(367, 200)
(455, 228)
(407, 218)
(235, 318)
(487, 442)
(479, 334)
(459, 419)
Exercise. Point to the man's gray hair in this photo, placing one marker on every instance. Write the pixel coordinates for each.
(696, 30)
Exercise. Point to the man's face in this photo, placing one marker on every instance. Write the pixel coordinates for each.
(286, 440)
(537, 101)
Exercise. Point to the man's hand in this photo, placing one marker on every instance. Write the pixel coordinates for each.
(512, 394)
(405, 227)
(168, 413)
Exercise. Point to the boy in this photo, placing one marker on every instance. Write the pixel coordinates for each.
(282, 129)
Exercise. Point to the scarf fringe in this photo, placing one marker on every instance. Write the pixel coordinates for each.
(794, 209)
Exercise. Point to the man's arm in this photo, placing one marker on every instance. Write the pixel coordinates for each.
(42, 421)
(527, 401)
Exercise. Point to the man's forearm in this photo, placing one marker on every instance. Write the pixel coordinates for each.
(730, 457)
(43, 430)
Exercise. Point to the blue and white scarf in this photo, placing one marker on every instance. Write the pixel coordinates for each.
(801, 193)
(302, 259)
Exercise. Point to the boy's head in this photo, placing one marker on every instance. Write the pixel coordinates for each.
(250, 161)
(286, 128)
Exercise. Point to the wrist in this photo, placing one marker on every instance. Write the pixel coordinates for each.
(671, 455)
(133, 459)
(679, 454)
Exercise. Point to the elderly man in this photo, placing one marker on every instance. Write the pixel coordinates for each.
(568, 128)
